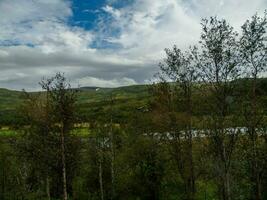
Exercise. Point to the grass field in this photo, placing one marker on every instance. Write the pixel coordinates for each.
(78, 131)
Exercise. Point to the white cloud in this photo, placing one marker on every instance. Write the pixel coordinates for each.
(14, 11)
(18, 18)
(114, 12)
(35, 64)
(235, 11)
(147, 27)
(144, 28)
(41, 23)
(98, 82)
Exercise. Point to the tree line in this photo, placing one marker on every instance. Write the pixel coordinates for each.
(202, 135)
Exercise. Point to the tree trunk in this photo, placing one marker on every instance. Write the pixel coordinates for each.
(192, 173)
(192, 188)
(112, 165)
(48, 188)
(226, 178)
(254, 137)
(227, 186)
(101, 180)
(64, 179)
(112, 153)
(256, 189)
(2, 195)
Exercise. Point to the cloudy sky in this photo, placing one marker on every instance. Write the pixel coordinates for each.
(106, 43)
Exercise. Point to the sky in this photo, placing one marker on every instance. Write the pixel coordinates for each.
(103, 43)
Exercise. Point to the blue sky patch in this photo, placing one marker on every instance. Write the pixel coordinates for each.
(85, 13)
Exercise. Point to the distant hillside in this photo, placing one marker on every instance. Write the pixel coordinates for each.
(9, 99)
(93, 102)
(99, 94)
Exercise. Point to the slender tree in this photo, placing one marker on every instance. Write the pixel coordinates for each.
(219, 68)
(63, 100)
(112, 150)
(253, 47)
(100, 167)
(37, 145)
(180, 67)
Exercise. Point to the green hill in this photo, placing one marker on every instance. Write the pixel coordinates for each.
(9, 99)
(93, 102)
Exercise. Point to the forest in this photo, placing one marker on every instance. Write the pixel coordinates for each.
(198, 132)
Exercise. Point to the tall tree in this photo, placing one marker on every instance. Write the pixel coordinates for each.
(112, 149)
(37, 145)
(253, 47)
(63, 100)
(180, 67)
(219, 68)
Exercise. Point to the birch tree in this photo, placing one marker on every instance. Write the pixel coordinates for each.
(253, 47)
(63, 100)
(219, 68)
(180, 68)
